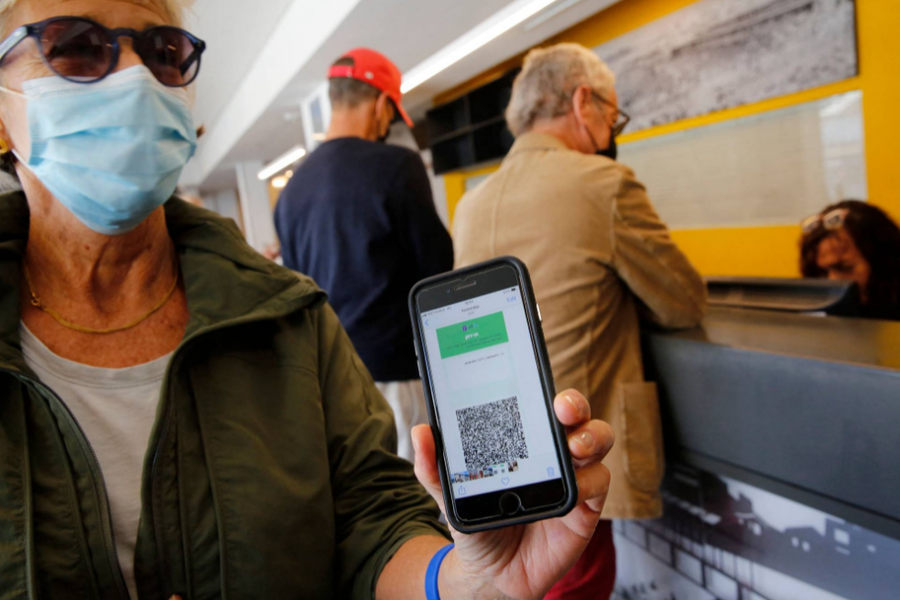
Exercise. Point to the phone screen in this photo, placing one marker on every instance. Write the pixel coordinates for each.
(488, 393)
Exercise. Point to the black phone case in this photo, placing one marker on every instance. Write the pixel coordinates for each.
(546, 374)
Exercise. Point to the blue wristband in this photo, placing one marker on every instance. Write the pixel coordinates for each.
(431, 575)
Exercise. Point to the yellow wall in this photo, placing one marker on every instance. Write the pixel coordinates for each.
(274, 194)
(455, 184)
(766, 251)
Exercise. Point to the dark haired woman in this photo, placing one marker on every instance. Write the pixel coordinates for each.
(856, 241)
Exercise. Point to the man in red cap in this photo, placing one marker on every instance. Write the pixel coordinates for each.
(359, 218)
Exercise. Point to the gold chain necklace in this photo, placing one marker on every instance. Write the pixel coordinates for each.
(36, 302)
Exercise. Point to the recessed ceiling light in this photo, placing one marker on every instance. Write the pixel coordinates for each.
(548, 14)
(475, 38)
(282, 162)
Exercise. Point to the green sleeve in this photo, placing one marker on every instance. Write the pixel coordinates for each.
(378, 502)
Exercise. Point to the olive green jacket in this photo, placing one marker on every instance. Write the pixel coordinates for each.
(270, 471)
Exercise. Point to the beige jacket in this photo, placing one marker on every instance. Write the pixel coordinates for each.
(598, 256)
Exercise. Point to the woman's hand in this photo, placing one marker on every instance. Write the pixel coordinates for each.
(525, 561)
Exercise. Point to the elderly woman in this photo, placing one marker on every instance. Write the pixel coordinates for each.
(179, 416)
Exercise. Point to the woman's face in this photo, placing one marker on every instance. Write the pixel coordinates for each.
(840, 258)
(24, 63)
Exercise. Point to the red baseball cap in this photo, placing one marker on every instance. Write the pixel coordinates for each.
(375, 69)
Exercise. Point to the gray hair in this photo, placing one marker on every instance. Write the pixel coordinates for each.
(174, 8)
(549, 78)
(346, 92)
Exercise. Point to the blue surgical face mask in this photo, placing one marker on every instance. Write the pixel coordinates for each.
(111, 151)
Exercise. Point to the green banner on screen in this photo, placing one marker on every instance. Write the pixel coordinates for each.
(469, 336)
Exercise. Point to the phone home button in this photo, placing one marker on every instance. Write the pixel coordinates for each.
(510, 503)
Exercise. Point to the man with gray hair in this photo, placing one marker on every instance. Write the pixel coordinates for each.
(599, 258)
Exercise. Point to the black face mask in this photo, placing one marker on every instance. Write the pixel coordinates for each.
(382, 139)
(611, 151)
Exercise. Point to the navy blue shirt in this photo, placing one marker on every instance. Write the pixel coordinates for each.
(358, 217)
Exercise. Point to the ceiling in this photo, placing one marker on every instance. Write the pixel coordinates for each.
(230, 50)
(249, 92)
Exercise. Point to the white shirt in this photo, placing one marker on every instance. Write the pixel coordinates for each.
(116, 408)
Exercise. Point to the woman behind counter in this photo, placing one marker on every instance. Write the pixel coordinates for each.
(179, 415)
(856, 241)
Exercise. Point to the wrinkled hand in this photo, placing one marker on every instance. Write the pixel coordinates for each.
(524, 561)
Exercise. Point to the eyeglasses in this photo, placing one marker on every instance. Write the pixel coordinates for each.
(84, 51)
(830, 221)
(622, 119)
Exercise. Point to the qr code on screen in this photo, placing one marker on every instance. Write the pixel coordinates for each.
(492, 433)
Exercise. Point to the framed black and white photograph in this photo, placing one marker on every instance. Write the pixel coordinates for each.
(722, 539)
(719, 54)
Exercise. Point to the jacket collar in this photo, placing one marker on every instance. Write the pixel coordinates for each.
(537, 141)
(226, 281)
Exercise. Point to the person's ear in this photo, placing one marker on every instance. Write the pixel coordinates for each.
(383, 113)
(5, 141)
(581, 102)
(3, 110)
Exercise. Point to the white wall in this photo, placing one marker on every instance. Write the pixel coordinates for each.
(225, 203)
(259, 223)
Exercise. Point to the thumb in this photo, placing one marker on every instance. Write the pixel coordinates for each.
(426, 462)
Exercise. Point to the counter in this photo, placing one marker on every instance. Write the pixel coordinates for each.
(806, 407)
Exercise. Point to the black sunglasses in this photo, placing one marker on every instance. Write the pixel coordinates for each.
(84, 51)
(622, 119)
